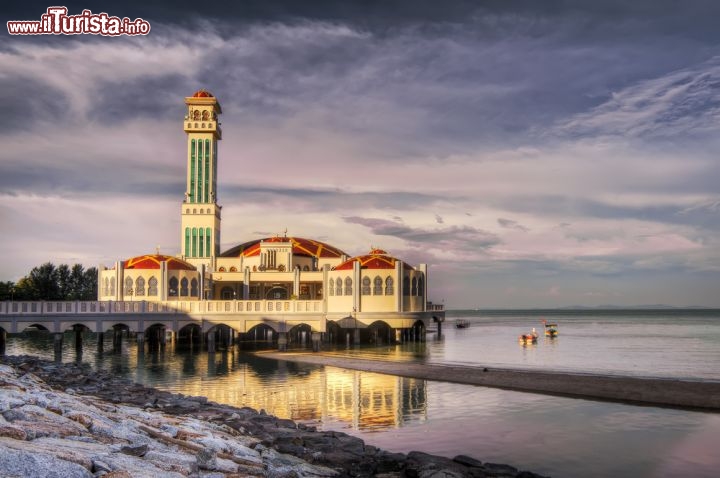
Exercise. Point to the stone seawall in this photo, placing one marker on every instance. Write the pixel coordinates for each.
(67, 420)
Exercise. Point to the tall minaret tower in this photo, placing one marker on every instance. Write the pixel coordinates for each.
(200, 232)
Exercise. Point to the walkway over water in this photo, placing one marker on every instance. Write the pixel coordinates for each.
(208, 320)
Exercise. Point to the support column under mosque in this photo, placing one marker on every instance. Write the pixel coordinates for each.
(398, 336)
(100, 341)
(141, 341)
(211, 341)
(282, 341)
(316, 339)
(356, 336)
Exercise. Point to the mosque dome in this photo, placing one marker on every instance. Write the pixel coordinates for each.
(375, 259)
(300, 247)
(202, 93)
(152, 261)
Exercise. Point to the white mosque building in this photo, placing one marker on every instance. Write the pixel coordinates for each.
(302, 280)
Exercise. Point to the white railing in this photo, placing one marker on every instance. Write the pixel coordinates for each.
(50, 308)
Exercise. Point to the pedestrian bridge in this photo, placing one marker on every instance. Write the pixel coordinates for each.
(232, 316)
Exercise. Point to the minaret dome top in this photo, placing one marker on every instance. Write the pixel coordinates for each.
(202, 93)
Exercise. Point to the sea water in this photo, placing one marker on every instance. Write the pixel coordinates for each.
(557, 436)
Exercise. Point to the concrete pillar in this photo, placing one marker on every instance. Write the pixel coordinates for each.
(117, 339)
(356, 336)
(211, 342)
(100, 341)
(78, 338)
(316, 339)
(141, 341)
(57, 346)
(282, 341)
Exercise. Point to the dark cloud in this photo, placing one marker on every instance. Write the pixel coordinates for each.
(145, 96)
(510, 224)
(26, 101)
(453, 238)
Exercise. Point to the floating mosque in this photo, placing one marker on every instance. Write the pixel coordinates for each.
(281, 282)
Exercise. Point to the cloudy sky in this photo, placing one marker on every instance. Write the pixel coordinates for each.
(533, 153)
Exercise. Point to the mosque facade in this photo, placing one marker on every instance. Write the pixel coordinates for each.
(369, 287)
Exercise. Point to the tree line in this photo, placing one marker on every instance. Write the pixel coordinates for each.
(48, 282)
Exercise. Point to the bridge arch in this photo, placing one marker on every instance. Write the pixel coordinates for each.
(300, 336)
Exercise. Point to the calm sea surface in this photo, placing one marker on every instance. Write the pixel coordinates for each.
(556, 436)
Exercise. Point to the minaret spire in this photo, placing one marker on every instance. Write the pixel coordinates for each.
(200, 234)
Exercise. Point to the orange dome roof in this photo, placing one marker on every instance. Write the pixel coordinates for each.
(152, 261)
(300, 247)
(202, 93)
(376, 259)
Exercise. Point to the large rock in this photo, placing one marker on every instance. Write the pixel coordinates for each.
(14, 463)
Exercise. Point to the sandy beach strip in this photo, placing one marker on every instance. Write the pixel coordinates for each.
(648, 391)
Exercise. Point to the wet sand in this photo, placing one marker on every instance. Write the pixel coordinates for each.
(648, 391)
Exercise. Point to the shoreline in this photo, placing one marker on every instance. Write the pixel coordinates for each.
(673, 393)
(67, 419)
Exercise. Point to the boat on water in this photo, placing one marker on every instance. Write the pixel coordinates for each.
(551, 329)
(530, 338)
(462, 324)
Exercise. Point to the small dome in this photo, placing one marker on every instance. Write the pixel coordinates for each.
(202, 93)
(152, 261)
(300, 247)
(375, 259)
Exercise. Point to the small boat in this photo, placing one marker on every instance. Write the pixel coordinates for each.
(530, 338)
(462, 324)
(551, 329)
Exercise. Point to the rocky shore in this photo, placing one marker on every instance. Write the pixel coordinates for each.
(66, 420)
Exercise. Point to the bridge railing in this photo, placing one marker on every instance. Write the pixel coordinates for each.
(434, 307)
(49, 308)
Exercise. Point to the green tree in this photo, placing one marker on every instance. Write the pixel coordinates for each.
(7, 290)
(43, 283)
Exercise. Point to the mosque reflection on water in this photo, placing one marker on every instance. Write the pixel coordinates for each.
(305, 393)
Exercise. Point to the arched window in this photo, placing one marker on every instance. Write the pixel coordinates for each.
(233, 269)
(201, 243)
(184, 287)
(348, 286)
(331, 287)
(194, 242)
(112, 286)
(365, 290)
(173, 287)
(192, 171)
(406, 285)
(413, 292)
(389, 286)
(338, 286)
(140, 286)
(207, 240)
(377, 286)
(128, 286)
(187, 242)
(421, 287)
(194, 288)
(222, 269)
(106, 288)
(196, 115)
(306, 268)
(205, 115)
(152, 287)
